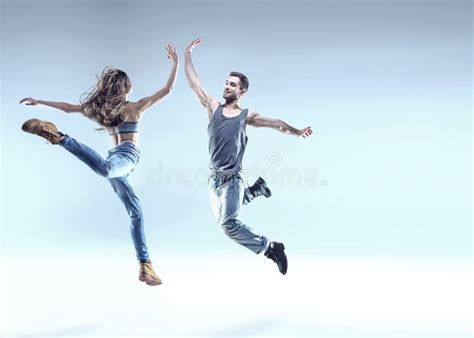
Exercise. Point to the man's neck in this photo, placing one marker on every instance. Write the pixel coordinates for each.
(232, 104)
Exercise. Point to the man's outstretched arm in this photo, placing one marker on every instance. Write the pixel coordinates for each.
(206, 100)
(256, 120)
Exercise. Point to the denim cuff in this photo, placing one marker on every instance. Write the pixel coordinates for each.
(65, 140)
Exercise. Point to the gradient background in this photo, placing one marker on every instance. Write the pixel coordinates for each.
(386, 86)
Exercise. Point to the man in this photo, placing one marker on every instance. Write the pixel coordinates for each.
(227, 142)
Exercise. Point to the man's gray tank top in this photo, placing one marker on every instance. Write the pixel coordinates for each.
(227, 141)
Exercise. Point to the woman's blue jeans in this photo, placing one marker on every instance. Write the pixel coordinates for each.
(120, 162)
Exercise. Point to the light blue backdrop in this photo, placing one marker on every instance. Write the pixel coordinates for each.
(385, 85)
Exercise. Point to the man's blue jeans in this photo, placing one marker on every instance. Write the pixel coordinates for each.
(226, 192)
(120, 162)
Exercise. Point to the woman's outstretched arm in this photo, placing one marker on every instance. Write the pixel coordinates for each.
(64, 106)
(148, 101)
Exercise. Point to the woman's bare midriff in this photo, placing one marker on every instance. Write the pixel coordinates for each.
(128, 137)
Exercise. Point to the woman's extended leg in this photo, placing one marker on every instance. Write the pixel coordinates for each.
(117, 163)
(120, 162)
(128, 197)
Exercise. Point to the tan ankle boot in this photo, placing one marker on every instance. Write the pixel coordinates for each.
(43, 129)
(148, 275)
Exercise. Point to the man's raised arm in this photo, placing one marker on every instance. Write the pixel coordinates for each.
(206, 100)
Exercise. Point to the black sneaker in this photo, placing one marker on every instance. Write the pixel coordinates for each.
(276, 252)
(260, 188)
(263, 188)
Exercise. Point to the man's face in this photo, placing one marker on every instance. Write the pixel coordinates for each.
(232, 89)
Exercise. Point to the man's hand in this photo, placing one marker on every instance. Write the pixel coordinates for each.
(306, 132)
(193, 44)
(171, 53)
(29, 101)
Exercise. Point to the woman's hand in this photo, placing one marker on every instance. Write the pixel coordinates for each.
(171, 53)
(29, 101)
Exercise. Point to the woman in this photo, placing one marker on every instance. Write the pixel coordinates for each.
(107, 105)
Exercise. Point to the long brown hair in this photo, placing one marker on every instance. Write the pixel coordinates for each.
(105, 103)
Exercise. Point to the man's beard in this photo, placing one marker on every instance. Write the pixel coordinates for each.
(230, 98)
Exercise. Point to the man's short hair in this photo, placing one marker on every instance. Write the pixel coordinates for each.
(244, 81)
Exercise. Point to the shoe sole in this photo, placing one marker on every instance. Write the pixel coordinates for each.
(268, 192)
(286, 258)
(151, 282)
